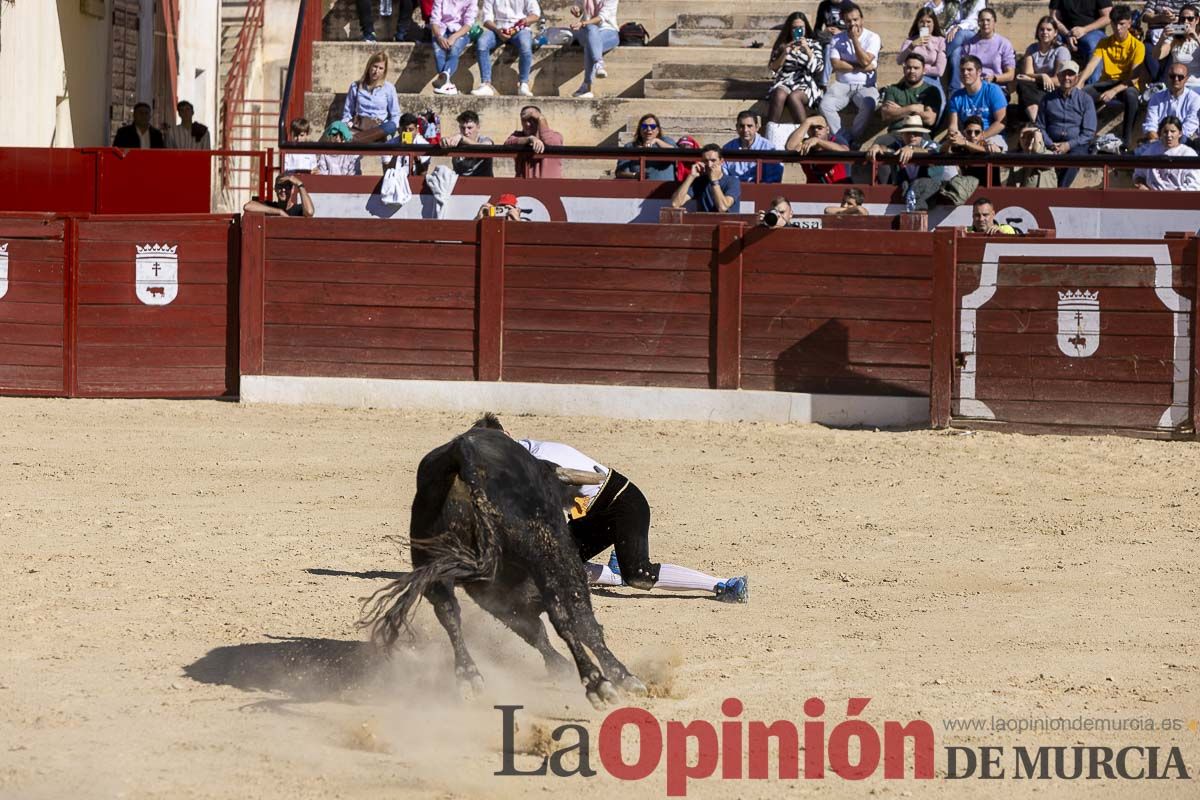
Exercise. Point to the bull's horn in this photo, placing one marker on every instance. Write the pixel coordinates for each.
(578, 477)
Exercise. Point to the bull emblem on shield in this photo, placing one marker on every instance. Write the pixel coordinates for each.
(1078, 323)
(157, 274)
(3, 269)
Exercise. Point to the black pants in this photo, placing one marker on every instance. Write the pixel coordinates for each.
(619, 517)
(366, 16)
(1129, 98)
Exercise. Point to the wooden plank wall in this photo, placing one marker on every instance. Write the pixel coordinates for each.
(33, 306)
(1023, 376)
(361, 298)
(837, 311)
(187, 348)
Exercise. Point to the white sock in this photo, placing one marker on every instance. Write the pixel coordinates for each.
(601, 575)
(672, 576)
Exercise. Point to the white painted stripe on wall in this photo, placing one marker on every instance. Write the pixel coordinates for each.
(614, 402)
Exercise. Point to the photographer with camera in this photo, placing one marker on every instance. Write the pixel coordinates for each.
(1159, 15)
(1179, 43)
(505, 207)
(778, 215)
(708, 183)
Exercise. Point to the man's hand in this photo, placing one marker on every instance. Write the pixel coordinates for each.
(1078, 32)
(1073, 42)
(875, 150)
(1109, 95)
(906, 154)
(807, 145)
(1062, 148)
(442, 42)
(698, 169)
(576, 11)
(953, 29)
(505, 34)
(894, 106)
(714, 172)
(537, 145)
(955, 136)
(575, 25)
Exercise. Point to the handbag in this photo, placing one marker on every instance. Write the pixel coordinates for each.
(367, 130)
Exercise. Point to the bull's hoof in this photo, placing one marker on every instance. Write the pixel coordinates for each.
(470, 685)
(602, 694)
(631, 685)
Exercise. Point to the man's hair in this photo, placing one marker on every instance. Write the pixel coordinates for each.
(528, 108)
(974, 119)
(987, 11)
(848, 8)
(179, 106)
(1120, 13)
(911, 54)
(854, 194)
(467, 116)
(711, 148)
(488, 420)
(778, 200)
(408, 118)
(983, 201)
(747, 114)
(146, 106)
(300, 126)
(962, 62)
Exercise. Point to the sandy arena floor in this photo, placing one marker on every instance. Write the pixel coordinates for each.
(180, 583)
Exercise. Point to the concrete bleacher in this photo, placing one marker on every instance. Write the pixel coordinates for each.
(700, 70)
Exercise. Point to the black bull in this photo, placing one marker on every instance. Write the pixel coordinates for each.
(489, 516)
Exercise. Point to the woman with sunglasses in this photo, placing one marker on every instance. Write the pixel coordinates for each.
(1179, 44)
(649, 134)
(1039, 67)
(798, 61)
(1169, 143)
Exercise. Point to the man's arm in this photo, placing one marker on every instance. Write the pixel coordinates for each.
(256, 207)
(1154, 111)
(533, 12)
(1097, 24)
(997, 126)
(305, 201)
(952, 121)
(724, 201)
(1191, 117)
(680, 197)
(1091, 67)
(1087, 128)
(865, 54)
(889, 109)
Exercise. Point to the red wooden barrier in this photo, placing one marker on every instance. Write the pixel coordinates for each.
(33, 303)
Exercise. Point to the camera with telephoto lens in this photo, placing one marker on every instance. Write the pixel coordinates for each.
(770, 218)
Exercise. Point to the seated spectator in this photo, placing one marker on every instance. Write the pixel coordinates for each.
(713, 189)
(996, 56)
(1168, 143)
(506, 207)
(1179, 45)
(814, 134)
(1118, 59)
(140, 134)
(1081, 24)
(798, 65)
(649, 134)
(983, 219)
(405, 164)
(979, 99)
(506, 22)
(959, 22)
(292, 200)
(855, 56)
(748, 139)
(1174, 101)
(535, 134)
(911, 95)
(970, 140)
(925, 38)
(1158, 14)
(1067, 118)
(188, 134)
(1032, 177)
(777, 215)
(597, 33)
(338, 163)
(366, 17)
(300, 130)
(372, 110)
(468, 135)
(851, 205)
(450, 24)
(909, 142)
(1039, 67)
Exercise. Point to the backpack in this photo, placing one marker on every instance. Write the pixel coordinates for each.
(634, 33)
(682, 168)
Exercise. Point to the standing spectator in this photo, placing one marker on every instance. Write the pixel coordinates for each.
(1168, 143)
(535, 134)
(292, 200)
(1157, 15)
(1081, 25)
(829, 24)
(925, 38)
(1067, 118)
(300, 130)
(1180, 47)
(1117, 59)
(855, 53)
(798, 63)
(188, 134)
(1039, 67)
(371, 110)
(909, 142)
(140, 134)
(994, 52)
(366, 17)
(338, 163)
(506, 22)
(1175, 101)
(814, 135)
(469, 135)
(450, 24)
(749, 139)
(977, 98)
(983, 219)
(960, 21)
(649, 134)
(707, 182)
(597, 33)
(911, 95)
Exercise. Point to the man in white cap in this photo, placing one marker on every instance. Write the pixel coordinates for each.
(1067, 118)
(909, 143)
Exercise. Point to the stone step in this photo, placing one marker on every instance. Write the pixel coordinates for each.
(733, 88)
(721, 37)
(695, 72)
(725, 20)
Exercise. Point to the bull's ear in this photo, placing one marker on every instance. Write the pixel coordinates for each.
(578, 477)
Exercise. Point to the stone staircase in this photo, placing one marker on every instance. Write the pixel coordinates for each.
(699, 72)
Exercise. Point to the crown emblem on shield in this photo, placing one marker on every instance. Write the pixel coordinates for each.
(157, 273)
(1078, 323)
(1080, 297)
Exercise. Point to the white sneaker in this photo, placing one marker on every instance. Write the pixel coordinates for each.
(484, 90)
(523, 90)
(446, 88)
(601, 72)
(583, 93)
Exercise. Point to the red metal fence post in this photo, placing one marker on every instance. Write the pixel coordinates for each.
(489, 344)
(250, 293)
(941, 368)
(727, 344)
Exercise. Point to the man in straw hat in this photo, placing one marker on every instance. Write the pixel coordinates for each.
(909, 143)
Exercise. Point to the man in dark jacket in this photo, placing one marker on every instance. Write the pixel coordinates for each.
(141, 134)
(1067, 118)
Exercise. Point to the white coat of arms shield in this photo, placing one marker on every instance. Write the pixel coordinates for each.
(157, 274)
(1078, 323)
(3, 269)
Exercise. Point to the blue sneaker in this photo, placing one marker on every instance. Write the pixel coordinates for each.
(734, 590)
(614, 566)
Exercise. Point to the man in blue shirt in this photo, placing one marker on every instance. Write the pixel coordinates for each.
(714, 190)
(749, 139)
(980, 99)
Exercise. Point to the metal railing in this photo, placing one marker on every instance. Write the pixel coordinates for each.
(234, 102)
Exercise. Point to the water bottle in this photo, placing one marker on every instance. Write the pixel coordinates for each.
(910, 200)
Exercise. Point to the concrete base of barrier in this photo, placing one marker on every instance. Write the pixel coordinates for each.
(615, 402)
